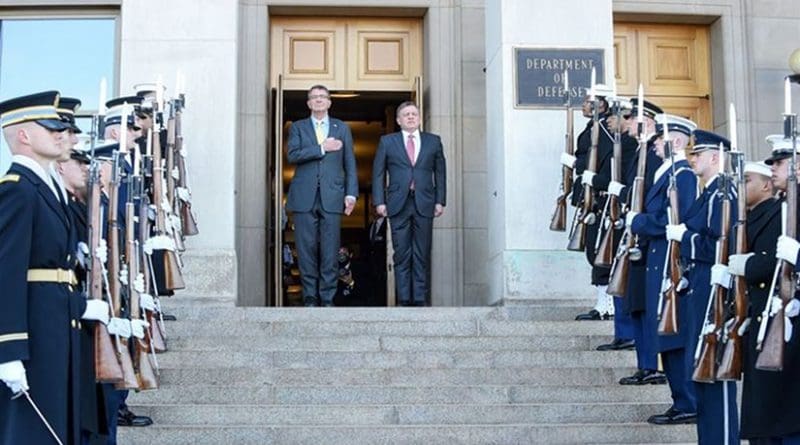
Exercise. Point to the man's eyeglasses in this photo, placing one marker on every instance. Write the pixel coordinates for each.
(318, 96)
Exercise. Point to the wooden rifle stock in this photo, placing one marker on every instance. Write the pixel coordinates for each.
(558, 223)
(106, 365)
(668, 318)
(188, 221)
(159, 339)
(577, 239)
(172, 272)
(142, 365)
(123, 353)
(618, 281)
(706, 367)
(730, 365)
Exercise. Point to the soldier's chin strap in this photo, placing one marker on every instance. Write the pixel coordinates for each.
(38, 413)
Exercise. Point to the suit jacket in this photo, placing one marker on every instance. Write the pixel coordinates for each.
(332, 173)
(428, 173)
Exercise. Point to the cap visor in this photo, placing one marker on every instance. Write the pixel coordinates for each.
(53, 124)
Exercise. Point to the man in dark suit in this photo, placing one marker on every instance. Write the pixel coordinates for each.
(416, 193)
(324, 186)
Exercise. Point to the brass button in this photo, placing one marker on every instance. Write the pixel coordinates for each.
(80, 326)
(654, 250)
(758, 319)
(74, 323)
(69, 257)
(762, 285)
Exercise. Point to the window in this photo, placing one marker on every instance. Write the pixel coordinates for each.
(69, 54)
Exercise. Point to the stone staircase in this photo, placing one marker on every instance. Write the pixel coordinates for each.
(520, 374)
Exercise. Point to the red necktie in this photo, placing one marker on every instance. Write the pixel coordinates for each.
(410, 149)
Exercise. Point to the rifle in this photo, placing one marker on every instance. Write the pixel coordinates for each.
(772, 347)
(170, 160)
(628, 249)
(143, 367)
(106, 365)
(577, 239)
(172, 271)
(673, 269)
(183, 201)
(157, 334)
(605, 253)
(129, 380)
(730, 366)
(558, 223)
(706, 354)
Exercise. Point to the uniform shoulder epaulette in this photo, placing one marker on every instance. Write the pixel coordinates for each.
(9, 178)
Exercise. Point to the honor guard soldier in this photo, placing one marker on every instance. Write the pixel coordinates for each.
(701, 228)
(39, 326)
(635, 297)
(675, 177)
(770, 413)
(762, 391)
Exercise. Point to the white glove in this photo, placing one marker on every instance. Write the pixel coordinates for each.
(121, 327)
(138, 283)
(123, 274)
(567, 160)
(183, 194)
(13, 375)
(137, 328)
(615, 188)
(737, 263)
(176, 175)
(792, 308)
(97, 310)
(101, 252)
(629, 218)
(720, 276)
(587, 177)
(675, 232)
(787, 249)
(146, 302)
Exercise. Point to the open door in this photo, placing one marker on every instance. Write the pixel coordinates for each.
(279, 215)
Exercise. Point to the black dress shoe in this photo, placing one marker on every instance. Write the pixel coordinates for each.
(644, 377)
(652, 377)
(594, 314)
(310, 301)
(127, 418)
(168, 317)
(673, 417)
(617, 345)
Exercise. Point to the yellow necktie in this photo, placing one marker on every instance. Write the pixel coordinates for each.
(320, 136)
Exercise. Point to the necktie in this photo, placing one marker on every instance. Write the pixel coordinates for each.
(320, 136)
(410, 152)
(410, 148)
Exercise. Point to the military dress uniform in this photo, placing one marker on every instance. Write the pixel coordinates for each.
(635, 295)
(40, 320)
(716, 402)
(770, 412)
(651, 226)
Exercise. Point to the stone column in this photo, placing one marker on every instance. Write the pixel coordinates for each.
(526, 260)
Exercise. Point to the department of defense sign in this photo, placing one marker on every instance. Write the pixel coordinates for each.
(540, 75)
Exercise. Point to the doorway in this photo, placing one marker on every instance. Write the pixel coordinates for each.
(365, 276)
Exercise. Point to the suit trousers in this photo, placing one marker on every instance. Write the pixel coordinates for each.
(317, 235)
(411, 239)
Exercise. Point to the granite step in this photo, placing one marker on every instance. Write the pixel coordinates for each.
(423, 414)
(599, 433)
(406, 395)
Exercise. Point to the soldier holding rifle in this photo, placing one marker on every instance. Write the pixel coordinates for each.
(40, 323)
(770, 414)
(674, 183)
(761, 390)
(702, 227)
(633, 249)
(593, 145)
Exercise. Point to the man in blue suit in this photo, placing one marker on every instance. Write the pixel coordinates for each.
(324, 186)
(415, 194)
(650, 226)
